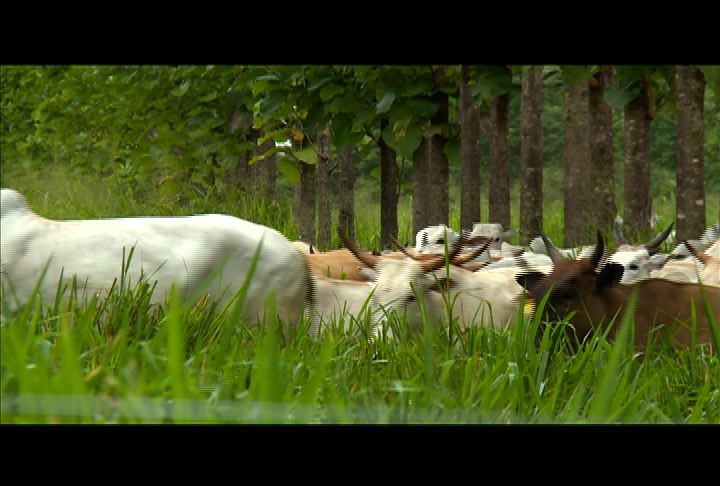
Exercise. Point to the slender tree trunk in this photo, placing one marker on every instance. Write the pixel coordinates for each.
(430, 170)
(242, 176)
(638, 205)
(469, 154)
(323, 190)
(388, 191)
(499, 186)
(324, 208)
(601, 150)
(531, 181)
(577, 182)
(690, 194)
(305, 201)
(346, 192)
(267, 171)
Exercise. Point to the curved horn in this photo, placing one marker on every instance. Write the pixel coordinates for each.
(617, 231)
(702, 257)
(366, 258)
(460, 259)
(599, 250)
(409, 252)
(552, 252)
(439, 261)
(654, 245)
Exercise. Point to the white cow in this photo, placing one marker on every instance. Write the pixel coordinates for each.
(638, 261)
(182, 250)
(538, 246)
(481, 297)
(337, 301)
(432, 239)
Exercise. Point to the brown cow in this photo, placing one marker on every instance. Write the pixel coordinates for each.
(597, 296)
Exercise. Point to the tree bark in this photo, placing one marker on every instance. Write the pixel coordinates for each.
(499, 186)
(266, 171)
(388, 191)
(601, 151)
(690, 193)
(430, 200)
(469, 154)
(577, 182)
(636, 193)
(305, 202)
(346, 192)
(242, 176)
(324, 208)
(531, 179)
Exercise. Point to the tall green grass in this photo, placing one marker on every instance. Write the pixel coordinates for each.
(122, 359)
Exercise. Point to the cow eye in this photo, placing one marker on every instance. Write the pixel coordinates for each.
(410, 298)
(441, 241)
(633, 267)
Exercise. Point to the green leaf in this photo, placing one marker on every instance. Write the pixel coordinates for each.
(209, 97)
(712, 78)
(575, 74)
(375, 173)
(271, 104)
(318, 83)
(268, 77)
(343, 135)
(278, 135)
(618, 95)
(330, 90)
(452, 151)
(307, 155)
(384, 104)
(288, 169)
(269, 153)
(181, 90)
(410, 141)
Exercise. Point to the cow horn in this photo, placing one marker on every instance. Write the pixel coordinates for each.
(599, 250)
(552, 252)
(617, 231)
(702, 257)
(439, 261)
(460, 259)
(366, 258)
(654, 245)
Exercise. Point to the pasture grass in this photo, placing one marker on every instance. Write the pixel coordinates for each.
(123, 360)
(118, 360)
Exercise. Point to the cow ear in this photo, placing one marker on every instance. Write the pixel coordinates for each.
(529, 280)
(610, 274)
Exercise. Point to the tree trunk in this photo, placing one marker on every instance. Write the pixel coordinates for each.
(638, 205)
(531, 179)
(305, 201)
(346, 192)
(469, 154)
(690, 193)
(577, 181)
(324, 208)
(266, 171)
(430, 200)
(499, 186)
(601, 151)
(388, 191)
(242, 176)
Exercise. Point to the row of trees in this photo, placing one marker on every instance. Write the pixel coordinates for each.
(204, 127)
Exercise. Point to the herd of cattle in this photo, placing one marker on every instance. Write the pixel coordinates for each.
(485, 278)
